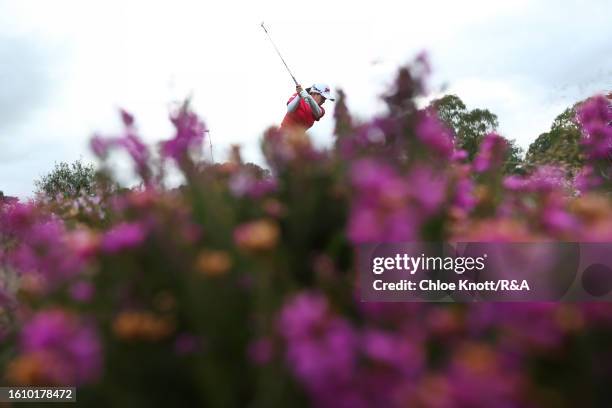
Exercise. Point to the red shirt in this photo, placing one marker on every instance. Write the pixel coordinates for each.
(302, 116)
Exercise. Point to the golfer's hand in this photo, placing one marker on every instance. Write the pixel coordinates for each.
(298, 88)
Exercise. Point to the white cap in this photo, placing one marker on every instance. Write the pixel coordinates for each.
(322, 89)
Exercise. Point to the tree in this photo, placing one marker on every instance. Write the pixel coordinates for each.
(68, 180)
(560, 145)
(470, 126)
(514, 163)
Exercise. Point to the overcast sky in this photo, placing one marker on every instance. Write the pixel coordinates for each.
(66, 66)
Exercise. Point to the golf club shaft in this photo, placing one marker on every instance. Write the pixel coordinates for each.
(279, 54)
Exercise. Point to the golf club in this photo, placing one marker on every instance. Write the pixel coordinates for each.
(279, 54)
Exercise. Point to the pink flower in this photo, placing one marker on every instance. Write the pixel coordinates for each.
(123, 236)
(245, 184)
(594, 117)
(557, 219)
(320, 347)
(74, 343)
(127, 118)
(392, 207)
(432, 132)
(99, 146)
(586, 179)
(42, 247)
(543, 179)
(139, 153)
(392, 350)
(492, 153)
(380, 210)
(428, 189)
(459, 155)
(189, 135)
(302, 314)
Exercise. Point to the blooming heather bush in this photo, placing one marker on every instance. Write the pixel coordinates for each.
(238, 288)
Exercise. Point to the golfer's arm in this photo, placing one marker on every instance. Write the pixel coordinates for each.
(291, 106)
(314, 106)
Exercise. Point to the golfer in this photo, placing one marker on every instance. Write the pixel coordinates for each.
(305, 106)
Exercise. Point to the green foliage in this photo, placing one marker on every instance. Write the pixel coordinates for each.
(450, 109)
(470, 126)
(514, 162)
(68, 180)
(560, 145)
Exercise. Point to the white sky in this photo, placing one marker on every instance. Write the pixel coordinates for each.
(66, 66)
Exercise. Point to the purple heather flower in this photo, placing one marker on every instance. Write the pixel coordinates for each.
(375, 133)
(368, 225)
(127, 118)
(595, 116)
(459, 155)
(427, 188)
(123, 236)
(74, 342)
(338, 365)
(514, 183)
(99, 146)
(320, 346)
(555, 218)
(240, 183)
(302, 314)
(543, 179)
(491, 154)
(245, 184)
(392, 350)
(326, 357)
(432, 132)
(42, 248)
(548, 178)
(18, 218)
(464, 193)
(138, 151)
(558, 220)
(130, 142)
(389, 206)
(189, 135)
(586, 179)
(372, 177)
